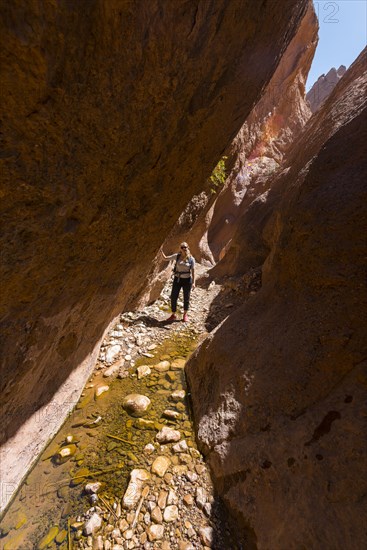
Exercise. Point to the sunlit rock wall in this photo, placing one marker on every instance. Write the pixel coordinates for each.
(279, 388)
(323, 87)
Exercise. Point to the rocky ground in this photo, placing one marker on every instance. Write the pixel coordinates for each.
(169, 502)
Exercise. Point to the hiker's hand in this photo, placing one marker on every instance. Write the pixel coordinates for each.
(193, 286)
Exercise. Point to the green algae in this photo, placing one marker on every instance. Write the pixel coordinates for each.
(48, 538)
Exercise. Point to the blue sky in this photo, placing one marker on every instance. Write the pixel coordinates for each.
(342, 35)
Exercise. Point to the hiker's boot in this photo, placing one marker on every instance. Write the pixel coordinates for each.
(172, 317)
(185, 317)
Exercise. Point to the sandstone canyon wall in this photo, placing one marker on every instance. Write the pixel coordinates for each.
(113, 115)
(279, 387)
(259, 148)
(209, 219)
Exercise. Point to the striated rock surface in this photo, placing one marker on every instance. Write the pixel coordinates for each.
(259, 148)
(112, 118)
(282, 419)
(324, 86)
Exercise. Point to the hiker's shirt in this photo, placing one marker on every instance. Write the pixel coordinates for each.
(183, 267)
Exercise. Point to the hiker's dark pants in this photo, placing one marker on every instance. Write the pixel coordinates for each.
(185, 284)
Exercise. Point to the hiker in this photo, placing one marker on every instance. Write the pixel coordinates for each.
(184, 277)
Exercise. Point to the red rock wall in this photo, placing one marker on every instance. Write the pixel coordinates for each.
(272, 126)
(281, 419)
(113, 114)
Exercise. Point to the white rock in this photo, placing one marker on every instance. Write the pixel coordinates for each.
(92, 524)
(92, 488)
(155, 532)
(147, 518)
(178, 395)
(201, 497)
(170, 513)
(117, 333)
(127, 357)
(162, 366)
(123, 525)
(156, 515)
(135, 487)
(128, 534)
(113, 369)
(162, 499)
(207, 509)
(160, 465)
(143, 370)
(151, 347)
(167, 435)
(116, 533)
(180, 447)
(136, 404)
(206, 535)
(151, 505)
(149, 448)
(172, 497)
(101, 389)
(112, 352)
(192, 476)
(66, 451)
(173, 415)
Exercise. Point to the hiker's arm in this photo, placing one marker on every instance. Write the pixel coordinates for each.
(193, 277)
(170, 257)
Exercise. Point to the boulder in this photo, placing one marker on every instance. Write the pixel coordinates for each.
(136, 404)
(92, 525)
(168, 435)
(155, 532)
(160, 465)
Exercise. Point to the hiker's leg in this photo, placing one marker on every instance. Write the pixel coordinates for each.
(186, 284)
(174, 294)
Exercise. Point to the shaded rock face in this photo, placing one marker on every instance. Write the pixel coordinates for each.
(278, 389)
(112, 118)
(323, 87)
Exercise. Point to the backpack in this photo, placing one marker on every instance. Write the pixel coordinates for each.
(191, 262)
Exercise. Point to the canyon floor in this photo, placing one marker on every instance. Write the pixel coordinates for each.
(118, 476)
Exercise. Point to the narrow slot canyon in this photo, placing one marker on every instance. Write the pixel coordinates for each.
(131, 129)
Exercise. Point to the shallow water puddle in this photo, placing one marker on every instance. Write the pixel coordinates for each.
(99, 441)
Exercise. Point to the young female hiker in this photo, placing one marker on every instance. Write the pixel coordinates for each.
(184, 277)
